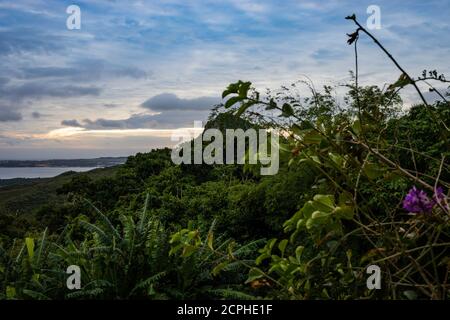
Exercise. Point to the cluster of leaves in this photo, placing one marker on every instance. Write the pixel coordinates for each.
(366, 155)
(133, 259)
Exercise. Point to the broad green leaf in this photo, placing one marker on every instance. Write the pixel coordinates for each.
(316, 159)
(372, 170)
(344, 212)
(254, 274)
(298, 252)
(345, 198)
(356, 127)
(232, 101)
(308, 209)
(319, 214)
(188, 250)
(243, 89)
(219, 267)
(261, 258)
(323, 202)
(310, 224)
(282, 246)
(287, 110)
(232, 88)
(337, 159)
(271, 243)
(300, 223)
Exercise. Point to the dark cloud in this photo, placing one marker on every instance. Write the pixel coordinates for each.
(36, 115)
(169, 101)
(86, 70)
(3, 81)
(48, 72)
(111, 105)
(167, 120)
(108, 124)
(172, 112)
(135, 121)
(71, 123)
(7, 114)
(38, 90)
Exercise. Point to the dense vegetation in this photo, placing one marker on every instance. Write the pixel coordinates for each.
(361, 182)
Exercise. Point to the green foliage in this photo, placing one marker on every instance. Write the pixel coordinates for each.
(333, 209)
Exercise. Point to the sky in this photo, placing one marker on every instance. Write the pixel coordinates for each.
(137, 70)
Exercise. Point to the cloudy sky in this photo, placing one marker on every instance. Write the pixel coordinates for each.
(136, 70)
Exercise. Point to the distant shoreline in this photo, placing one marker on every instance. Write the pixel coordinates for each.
(64, 163)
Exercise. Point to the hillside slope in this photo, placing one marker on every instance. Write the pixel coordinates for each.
(21, 196)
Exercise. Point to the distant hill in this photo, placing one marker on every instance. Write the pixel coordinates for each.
(26, 195)
(96, 162)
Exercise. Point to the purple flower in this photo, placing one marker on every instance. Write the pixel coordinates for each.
(417, 201)
(438, 194)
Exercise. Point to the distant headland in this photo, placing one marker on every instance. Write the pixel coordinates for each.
(96, 162)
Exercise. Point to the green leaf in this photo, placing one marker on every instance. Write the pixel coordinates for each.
(10, 292)
(316, 159)
(282, 246)
(230, 249)
(261, 258)
(254, 274)
(298, 252)
(319, 214)
(271, 243)
(310, 224)
(210, 240)
(188, 250)
(301, 223)
(232, 101)
(244, 107)
(372, 170)
(323, 202)
(219, 268)
(30, 247)
(356, 127)
(308, 209)
(402, 81)
(337, 159)
(325, 294)
(344, 212)
(410, 294)
(287, 110)
(312, 137)
(232, 88)
(243, 89)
